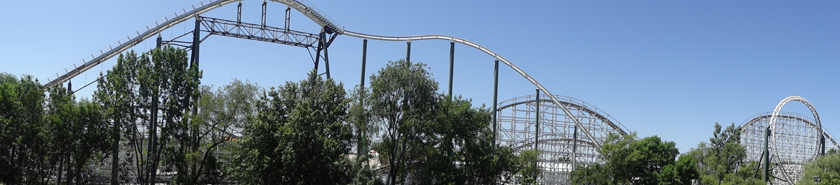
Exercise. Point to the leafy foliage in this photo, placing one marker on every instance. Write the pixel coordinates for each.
(298, 136)
(45, 140)
(427, 138)
(530, 171)
(645, 161)
(149, 91)
(22, 152)
(216, 125)
(826, 168)
(403, 100)
(719, 160)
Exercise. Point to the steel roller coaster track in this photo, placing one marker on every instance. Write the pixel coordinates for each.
(309, 11)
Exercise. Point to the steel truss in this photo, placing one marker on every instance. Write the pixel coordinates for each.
(257, 32)
(517, 129)
(797, 141)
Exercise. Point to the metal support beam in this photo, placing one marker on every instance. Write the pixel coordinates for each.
(288, 17)
(452, 68)
(196, 41)
(327, 59)
(239, 13)
(158, 42)
(229, 28)
(537, 122)
(408, 51)
(495, 97)
(822, 144)
(115, 155)
(766, 155)
(264, 9)
(574, 148)
(363, 140)
(321, 37)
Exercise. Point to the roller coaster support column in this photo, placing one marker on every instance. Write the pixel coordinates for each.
(822, 144)
(495, 98)
(574, 149)
(158, 42)
(362, 148)
(452, 67)
(537, 121)
(408, 51)
(196, 41)
(321, 38)
(766, 155)
(327, 58)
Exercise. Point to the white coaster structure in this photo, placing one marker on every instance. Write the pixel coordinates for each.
(794, 140)
(517, 129)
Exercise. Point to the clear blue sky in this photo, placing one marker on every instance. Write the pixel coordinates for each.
(666, 68)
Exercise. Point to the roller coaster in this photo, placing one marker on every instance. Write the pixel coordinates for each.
(795, 138)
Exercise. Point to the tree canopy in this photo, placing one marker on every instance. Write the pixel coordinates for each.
(645, 161)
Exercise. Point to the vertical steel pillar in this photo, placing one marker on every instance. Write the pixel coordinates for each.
(408, 51)
(288, 17)
(822, 144)
(574, 148)
(537, 136)
(766, 155)
(363, 140)
(452, 68)
(196, 41)
(158, 42)
(115, 155)
(322, 37)
(69, 87)
(495, 99)
(537, 121)
(327, 59)
(264, 9)
(239, 13)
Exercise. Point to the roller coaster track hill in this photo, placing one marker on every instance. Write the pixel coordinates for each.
(309, 11)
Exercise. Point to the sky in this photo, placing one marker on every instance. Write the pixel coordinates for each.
(666, 68)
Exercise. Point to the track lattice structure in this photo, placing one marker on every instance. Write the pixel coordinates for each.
(517, 129)
(313, 14)
(794, 140)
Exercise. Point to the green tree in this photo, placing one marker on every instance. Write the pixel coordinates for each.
(147, 92)
(826, 168)
(219, 121)
(78, 134)
(530, 171)
(402, 99)
(646, 161)
(23, 154)
(360, 117)
(719, 160)
(429, 138)
(457, 148)
(298, 136)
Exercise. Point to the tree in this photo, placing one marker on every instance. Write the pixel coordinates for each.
(646, 161)
(457, 147)
(530, 171)
(826, 168)
(78, 133)
(298, 136)
(219, 120)
(721, 161)
(429, 138)
(146, 92)
(22, 152)
(402, 99)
